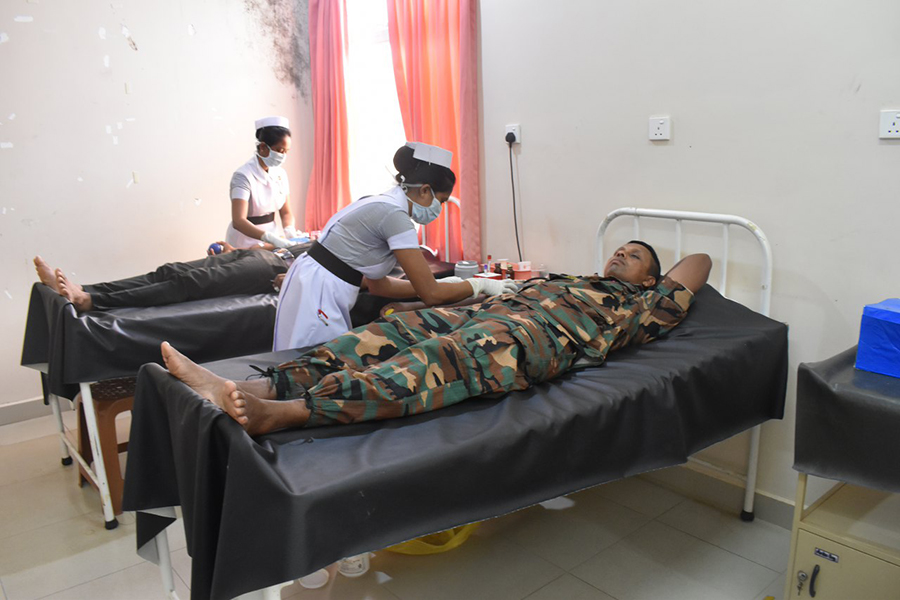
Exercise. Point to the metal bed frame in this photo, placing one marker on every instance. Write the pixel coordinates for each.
(725, 221)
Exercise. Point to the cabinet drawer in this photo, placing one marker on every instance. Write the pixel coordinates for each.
(855, 575)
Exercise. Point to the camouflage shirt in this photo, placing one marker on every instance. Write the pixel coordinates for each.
(599, 314)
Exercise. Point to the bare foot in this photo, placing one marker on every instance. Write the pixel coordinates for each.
(258, 416)
(217, 390)
(73, 293)
(45, 273)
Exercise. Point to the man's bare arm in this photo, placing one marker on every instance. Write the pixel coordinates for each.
(692, 271)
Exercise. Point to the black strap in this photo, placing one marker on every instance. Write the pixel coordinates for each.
(262, 219)
(335, 266)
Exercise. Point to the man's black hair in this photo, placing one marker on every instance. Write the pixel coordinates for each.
(656, 269)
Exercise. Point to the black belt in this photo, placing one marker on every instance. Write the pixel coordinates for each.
(262, 219)
(335, 266)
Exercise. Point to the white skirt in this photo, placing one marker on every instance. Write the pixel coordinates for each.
(313, 306)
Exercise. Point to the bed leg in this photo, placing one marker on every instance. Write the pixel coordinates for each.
(752, 467)
(53, 401)
(165, 564)
(90, 417)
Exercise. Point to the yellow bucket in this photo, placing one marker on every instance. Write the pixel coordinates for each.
(436, 542)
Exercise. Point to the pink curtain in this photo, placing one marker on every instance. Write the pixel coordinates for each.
(329, 182)
(434, 46)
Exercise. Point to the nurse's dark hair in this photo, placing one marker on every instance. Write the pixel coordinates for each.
(272, 135)
(413, 170)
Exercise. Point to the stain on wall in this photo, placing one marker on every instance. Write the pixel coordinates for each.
(284, 27)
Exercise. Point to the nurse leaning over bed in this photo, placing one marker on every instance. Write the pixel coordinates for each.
(260, 187)
(362, 243)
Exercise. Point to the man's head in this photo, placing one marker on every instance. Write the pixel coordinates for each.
(635, 262)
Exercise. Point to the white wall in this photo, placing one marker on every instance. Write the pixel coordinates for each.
(775, 115)
(202, 71)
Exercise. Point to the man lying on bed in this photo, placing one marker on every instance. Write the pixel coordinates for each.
(414, 362)
(256, 270)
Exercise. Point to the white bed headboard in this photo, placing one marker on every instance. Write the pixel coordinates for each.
(679, 216)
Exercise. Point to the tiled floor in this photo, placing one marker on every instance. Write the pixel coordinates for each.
(627, 540)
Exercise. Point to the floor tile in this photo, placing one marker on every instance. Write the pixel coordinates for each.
(579, 528)
(775, 589)
(181, 564)
(481, 568)
(65, 554)
(568, 587)
(15, 433)
(660, 562)
(640, 495)
(42, 500)
(29, 459)
(370, 586)
(139, 582)
(759, 541)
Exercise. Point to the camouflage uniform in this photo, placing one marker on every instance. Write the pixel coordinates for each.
(419, 361)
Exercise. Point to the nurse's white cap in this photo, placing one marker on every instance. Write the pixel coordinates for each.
(431, 154)
(273, 122)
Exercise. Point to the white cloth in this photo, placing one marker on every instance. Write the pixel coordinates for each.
(313, 306)
(265, 192)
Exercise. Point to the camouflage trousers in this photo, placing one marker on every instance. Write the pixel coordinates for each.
(424, 360)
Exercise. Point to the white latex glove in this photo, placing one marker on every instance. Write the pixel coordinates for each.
(275, 240)
(492, 287)
(451, 279)
(290, 233)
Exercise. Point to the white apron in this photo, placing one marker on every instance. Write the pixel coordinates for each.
(314, 304)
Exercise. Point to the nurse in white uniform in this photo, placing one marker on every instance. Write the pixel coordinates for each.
(259, 189)
(362, 243)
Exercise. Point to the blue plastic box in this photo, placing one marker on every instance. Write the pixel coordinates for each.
(879, 338)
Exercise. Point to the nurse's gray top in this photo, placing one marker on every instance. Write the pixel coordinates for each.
(365, 234)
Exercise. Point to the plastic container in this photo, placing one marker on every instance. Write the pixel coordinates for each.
(465, 269)
(354, 566)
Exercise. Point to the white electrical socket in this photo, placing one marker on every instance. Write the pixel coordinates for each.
(516, 131)
(660, 128)
(890, 125)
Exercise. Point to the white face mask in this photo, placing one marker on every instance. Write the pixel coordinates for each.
(274, 159)
(423, 215)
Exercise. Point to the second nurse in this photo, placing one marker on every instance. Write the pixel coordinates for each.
(365, 241)
(260, 187)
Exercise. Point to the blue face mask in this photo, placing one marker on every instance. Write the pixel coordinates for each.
(423, 215)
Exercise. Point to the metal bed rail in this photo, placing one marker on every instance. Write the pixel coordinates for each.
(725, 221)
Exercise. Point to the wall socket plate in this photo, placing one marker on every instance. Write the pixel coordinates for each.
(660, 128)
(516, 130)
(889, 128)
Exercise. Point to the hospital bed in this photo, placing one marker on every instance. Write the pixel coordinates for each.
(260, 512)
(74, 351)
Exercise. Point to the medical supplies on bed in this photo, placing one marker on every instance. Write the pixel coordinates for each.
(879, 338)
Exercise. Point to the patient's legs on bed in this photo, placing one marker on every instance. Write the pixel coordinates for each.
(217, 390)
(489, 354)
(370, 345)
(250, 405)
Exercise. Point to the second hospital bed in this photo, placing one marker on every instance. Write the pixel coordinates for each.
(258, 512)
(74, 350)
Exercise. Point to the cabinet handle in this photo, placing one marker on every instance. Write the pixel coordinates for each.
(812, 581)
